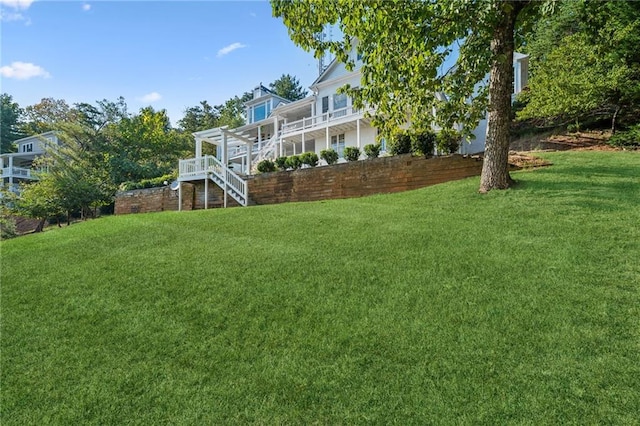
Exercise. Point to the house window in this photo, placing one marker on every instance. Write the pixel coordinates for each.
(27, 147)
(325, 104)
(337, 144)
(259, 112)
(339, 104)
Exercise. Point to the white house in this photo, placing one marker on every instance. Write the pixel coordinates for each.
(18, 167)
(278, 127)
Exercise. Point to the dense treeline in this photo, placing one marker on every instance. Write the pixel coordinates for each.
(103, 147)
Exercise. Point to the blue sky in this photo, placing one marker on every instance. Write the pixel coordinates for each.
(167, 54)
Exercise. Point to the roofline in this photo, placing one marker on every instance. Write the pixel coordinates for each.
(39, 135)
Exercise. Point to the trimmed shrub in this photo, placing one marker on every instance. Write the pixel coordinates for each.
(626, 139)
(351, 153)
(266, 166)
(329, 155)
(309, 158)
(400, 143)
(372, 150)
(281, 163)
(448, 141)
(294, 162)
(424, 143)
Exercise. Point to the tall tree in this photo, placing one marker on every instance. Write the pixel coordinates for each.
(10, 131)
(46, 115)
(232, 112)
(200, 117)
(404, 43)
(288, 87)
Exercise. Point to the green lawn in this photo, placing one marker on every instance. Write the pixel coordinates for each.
(435, 306)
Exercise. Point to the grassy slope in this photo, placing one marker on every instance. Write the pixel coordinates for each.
(437, 305)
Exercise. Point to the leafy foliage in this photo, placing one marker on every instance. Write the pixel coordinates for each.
(293, 162)
(585, 63)
(266, 166)
(448, 141)
(309, 158)
(372, 150)
(403, 46)
(329, 155)
(281, 163)
(424, 143)
(10, 130)
(288, 87)
(626, 139)
(149, 183)
(352, 153)
(400, 143)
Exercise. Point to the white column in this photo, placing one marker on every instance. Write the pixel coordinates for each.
(358, 132)
(327, 136)
(249, 155)
(179, 196)
(198, 147)
(225, 154)
(303, 146)
(280, 155)
(10, 170)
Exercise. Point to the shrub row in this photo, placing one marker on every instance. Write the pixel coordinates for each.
(293, 162)
(447, 141)
(149, 183)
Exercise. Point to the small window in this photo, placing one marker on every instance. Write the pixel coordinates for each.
(325, 104)
(337, 144)
(27, 147)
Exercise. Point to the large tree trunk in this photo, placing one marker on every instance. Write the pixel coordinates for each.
(495, 169)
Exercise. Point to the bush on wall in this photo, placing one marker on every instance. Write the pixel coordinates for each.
(372, 150)
(266, 166)
(424, 143)
(309, 158)
(448, 141)
(352, 153)
(400, 143)
(329, 155)
(294, 162)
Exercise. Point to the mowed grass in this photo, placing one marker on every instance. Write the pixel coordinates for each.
(435, 306)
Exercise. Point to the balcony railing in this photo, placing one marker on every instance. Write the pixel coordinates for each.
(18, 172)
(318, 120)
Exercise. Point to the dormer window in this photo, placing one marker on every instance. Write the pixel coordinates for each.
(260, 111)
(27, 147)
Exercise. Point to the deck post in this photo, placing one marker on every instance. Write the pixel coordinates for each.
(303, 146)
(179, 196)
(206, 191)
(327, 135)
(198, 147)
(225, 154)
(358, 132)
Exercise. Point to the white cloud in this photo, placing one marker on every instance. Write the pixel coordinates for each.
(23, 71)
(17, 4)
(150, 97)
(230, 48)
(86, 7)
(14, 15)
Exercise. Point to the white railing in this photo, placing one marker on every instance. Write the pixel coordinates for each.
(267, 150)
(209, 166)
(18, 172)
(327, 117)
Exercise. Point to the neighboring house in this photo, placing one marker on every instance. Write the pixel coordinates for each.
(18, 167)
(278, 127)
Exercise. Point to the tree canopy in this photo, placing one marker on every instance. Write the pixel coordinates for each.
(10, 128)
(288, 87)
(585, 63)
(404, 46)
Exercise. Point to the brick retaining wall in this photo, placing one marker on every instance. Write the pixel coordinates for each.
(346, 180)
(360, 178)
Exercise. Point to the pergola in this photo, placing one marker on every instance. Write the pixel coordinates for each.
(224, 138)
